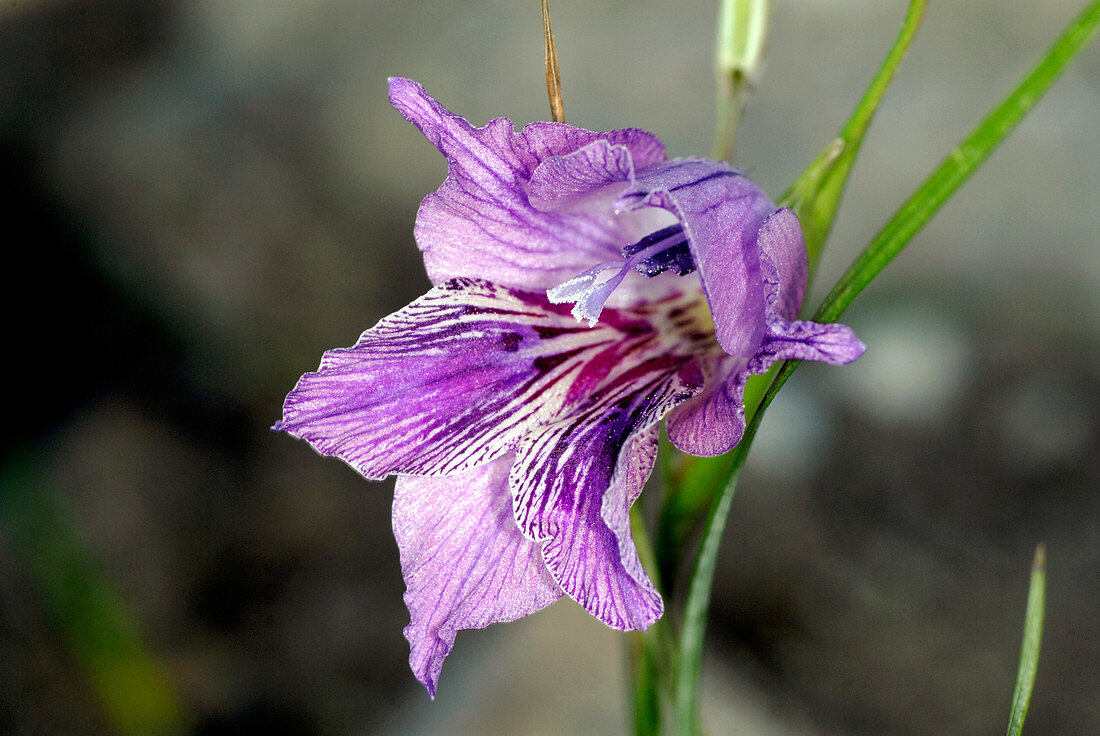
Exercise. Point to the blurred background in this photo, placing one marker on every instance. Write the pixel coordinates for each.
(201, 196)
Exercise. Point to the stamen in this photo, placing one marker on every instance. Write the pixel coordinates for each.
(660, 251)
(590, 290)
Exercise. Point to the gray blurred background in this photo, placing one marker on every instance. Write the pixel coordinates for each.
(203, 195)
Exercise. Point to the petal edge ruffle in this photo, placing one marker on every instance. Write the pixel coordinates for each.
(465, 562)
(573, 483)
(713, 422)
(480, 222)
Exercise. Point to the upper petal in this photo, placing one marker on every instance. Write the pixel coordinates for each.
(480, 221)
(721, 211)
(571, 181)
(465, 562)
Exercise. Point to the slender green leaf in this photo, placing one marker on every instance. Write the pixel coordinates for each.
(897, 232)
(693, 629)
(963, 161)
(815, 196)
(1029, 650)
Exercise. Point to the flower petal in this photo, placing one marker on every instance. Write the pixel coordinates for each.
(713, 422)
(480, 222)
(831, 343)
(567, 182)
(449, 382)
(465, 562)
(454, 379)
(785, 264)
(721, 211)
(574, 481)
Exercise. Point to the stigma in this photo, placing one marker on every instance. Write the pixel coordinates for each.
(664, 250)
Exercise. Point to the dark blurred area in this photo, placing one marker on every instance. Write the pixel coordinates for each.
(202, 197)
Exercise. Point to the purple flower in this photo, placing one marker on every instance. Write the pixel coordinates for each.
(585, 288)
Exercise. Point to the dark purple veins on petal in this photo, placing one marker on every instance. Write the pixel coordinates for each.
(704, 179)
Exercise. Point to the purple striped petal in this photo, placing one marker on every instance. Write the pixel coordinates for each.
(567, 182)
(831, 343)
(431, 389)
(480, 221)
(713, 422)
(721, 211)
(465, 562)
(574, 481)
(454, 379)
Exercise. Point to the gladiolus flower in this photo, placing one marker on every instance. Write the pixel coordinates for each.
(586, 287)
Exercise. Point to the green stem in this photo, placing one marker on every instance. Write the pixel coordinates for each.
(732, 94)
(693, 629)
(644, 673)
(897, 232)
(648, 650)
(738, 51)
